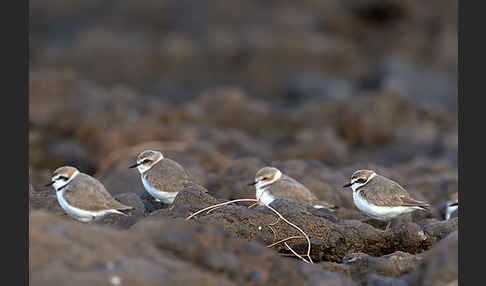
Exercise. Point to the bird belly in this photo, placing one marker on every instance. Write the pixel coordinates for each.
(76, 213)
(379, 212)
(450, 210)
(165, 197)
(263, 196)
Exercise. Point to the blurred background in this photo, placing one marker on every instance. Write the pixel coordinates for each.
(316, 88)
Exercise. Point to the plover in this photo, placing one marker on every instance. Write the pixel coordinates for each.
(380, 197)
(452, 205)
(271, 184)
(83, 197)
(162, 178)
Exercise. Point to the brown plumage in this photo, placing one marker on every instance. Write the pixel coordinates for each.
(87, 193)
(271, 184)
(381, 191)
(288, 188)
(169, 176)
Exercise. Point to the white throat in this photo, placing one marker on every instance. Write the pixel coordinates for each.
(355, 186)
(142, 168)
(60, 183)
(450, 210)
(261, 186)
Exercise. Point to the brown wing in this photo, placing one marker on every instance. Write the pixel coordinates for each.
(289, 189)
(409, 202)
(168, 176)
(382, 191)
(85, 192)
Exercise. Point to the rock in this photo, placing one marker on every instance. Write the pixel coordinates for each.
(232, 183)
(439, 266)
(45, 200)
(187, 201)
(376, 127)
(118, 220)
(430, 89)
(331, 239)
(310, 87)
(229, 108)
(173, 251)
(322, 144)
(132, 200)
(70, 153)
(120, 179)
(393, 265)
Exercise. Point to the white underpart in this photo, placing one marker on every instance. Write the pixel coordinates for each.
(379, 212)
(260, 187)
(79, 214)
(263, 196)
(165, 197)
(450, 210)
(318, 207)
(422, 235)
(76, 213)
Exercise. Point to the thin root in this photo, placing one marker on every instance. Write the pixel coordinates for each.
(254, 204)
(285, 239)
(280, 217)
(219, 205)
(274, 223)
(296, 254)
(273, 231)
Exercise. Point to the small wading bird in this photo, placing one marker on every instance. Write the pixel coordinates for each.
(380, 197)
(161, 177)
(83, 197)
(271, 184)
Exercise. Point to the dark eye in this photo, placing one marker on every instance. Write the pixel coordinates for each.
(146, 161)
(361, 181)
(264, 178)
(63, 178)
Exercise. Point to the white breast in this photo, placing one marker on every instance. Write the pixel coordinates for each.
(450, 210)
(79, 214)
(378, 212)
(165, 197)
(264, 196)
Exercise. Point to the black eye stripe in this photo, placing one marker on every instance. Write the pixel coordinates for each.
(64, 178)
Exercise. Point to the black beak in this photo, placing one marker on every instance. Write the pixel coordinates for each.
(47, 185)
(347, 185)
(252, 183)
(134, 165)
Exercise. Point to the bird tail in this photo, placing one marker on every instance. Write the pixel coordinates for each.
(325, 205)
(409, 202)
(122, 211)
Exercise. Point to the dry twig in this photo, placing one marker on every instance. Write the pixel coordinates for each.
(280, 217)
